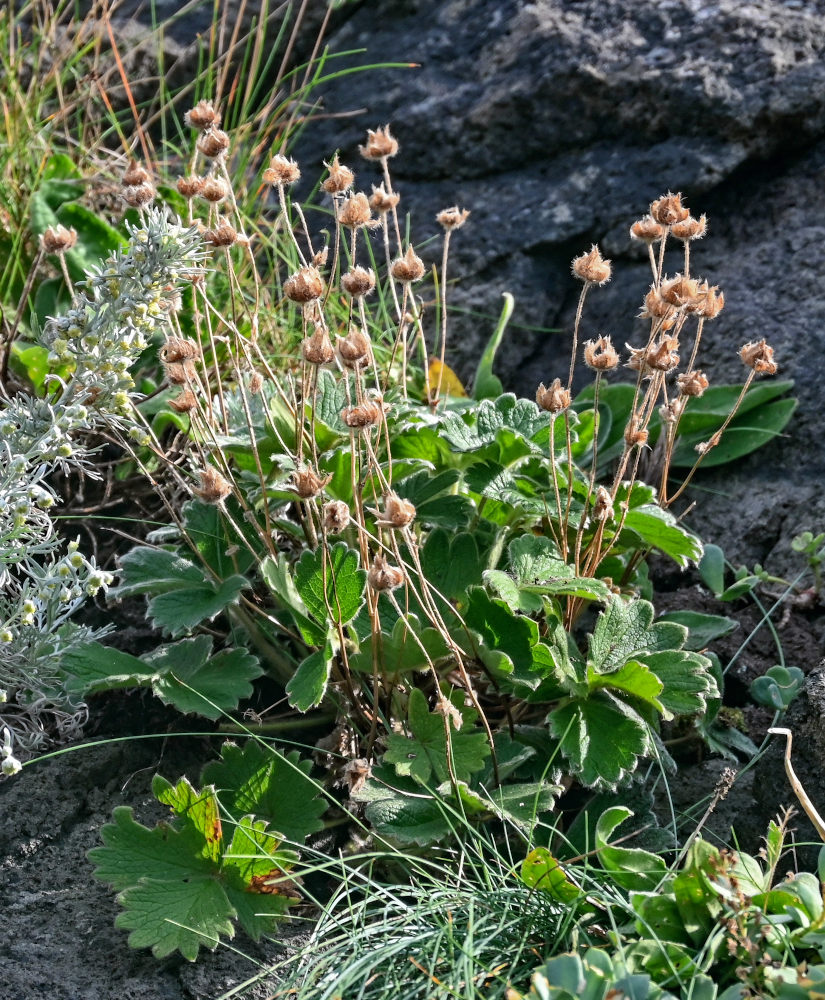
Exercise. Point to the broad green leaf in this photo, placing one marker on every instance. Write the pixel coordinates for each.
(686, 679)
(93, 667)
(660, 530)
(536, 559)
(712, 569)
(702, 628)
(621, 631)
(746, 432)
(540, 870)
(520, 416)
(501, 629)
(402, 813)
(423, 753)
(601, 737)
(629, 867)
(515, 597)
(178, 611)
(451, 562)
(331, 400)
(523, 802)
(278, 576)
(198, 807)
(330, 583)
(275, 786)
(427, 493)
(635, 679)
(211, 687)
(215, 539)
(777, 687)
(147, 570)
(400, 652)
(308, 685)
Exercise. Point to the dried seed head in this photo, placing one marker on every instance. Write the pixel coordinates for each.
(213, 487)
(134, 175)
(189, 186)
(180, 372)
(452, 218)
(662, 356)
(383, 201)
(555, 399)
(336, 516)
(646, 229)
(634, 435)
(668, 210)
(759, 356)
(682, 292)
(408, 268)
(354, 349)
(58, 239)
(185, 402)
(317, 349)
(256, 383)
(712, 301)
(366, 414)
(692, 383)
(382, 576)
(690, 228)
(397, 513)
(356, 772)
(307, 483)
(600, 354)
(281, 171)
(202, 116)
(179, 349)
(592, 268)
(214, 189)
(319, 259)
(305, 285)
(355, 212)
(670, 412)
(138, 195)
(340, 177)
(223, 235)
(379, 144)
(655, 305)
(213, 143)
(358, 281)
(603, 505)
(705, 446)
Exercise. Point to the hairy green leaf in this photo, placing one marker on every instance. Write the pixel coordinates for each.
(308, 684)
(330, 583)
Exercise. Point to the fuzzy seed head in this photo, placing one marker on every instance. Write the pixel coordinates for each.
(179, 349)
(213, 143)
(600, 355)
(319, 259)
(223, 235)
(304, 286)
(355, 212)
(692, 383)
(646, 229)
(364, 415)
(214, 189)
(452, 218)
(213, 487)
(662, 356)
(358, 281)
(397, 513)
(379, 145)
(656, 307)
(555, 399)
(307, 483)
(340, 178)
(592, 268)
(603, 505)
(712, 301)
(281, 171)
(690, 229)
(383, 201)
(58, 239)
(189, 186)
(317, 349)
(185, 402)
(408, 268)
(672, 411)
(180, 372)
(256, 383)
(134, 175)
(383, 576)
(355, 349)
(759, 356)
(138, 195)
(336, 516)
(682, 292)
(202, 116)
(634, 435)
(668, 210)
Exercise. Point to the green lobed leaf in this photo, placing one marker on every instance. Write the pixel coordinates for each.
(540, 870)
(179, 611)
(330, 583)
(500, 628)
(451, 562)
(660, 530)
(199, 809)
(629, 867)
(308, 685)
(397, 809)
(92, 667)
(211, 687)
(146, 570)
(702, 628)
(687, 682)
(399, 652)
(634, 679)
(332, 398)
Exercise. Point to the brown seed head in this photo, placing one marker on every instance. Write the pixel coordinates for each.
(336, 516)
(705, 446)
(223, 235)
(355, 212)
(668, 210)
(202, 116)
(214, 189)
(134, 175)
(281, 171)
(603, 505)
(213, 143)
(690, 228)
(408, 268)
(692, 383)
(382, 576)
(383, 201)
(646, 229)
(358, 281)
(592, 268)
(180, 372)
(682, 292)
(662, 356)
(319, 259)
(213, 487)
(340, 177)
(185, 402)
(379, 144)
(58, 239)
(555, 399)
(452, 218)
(655, 305)
(179, 349)
(634, 435)
(366, 414)
(600, 354)
(138, 195)
(304, 286)
(354, 349)
(189, 186)
(307, 483)
(712, 301)
(397, 513)
(759, 356)
(670, 412)
(317, 349)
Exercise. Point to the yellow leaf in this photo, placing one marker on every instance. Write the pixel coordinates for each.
(449, 381)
